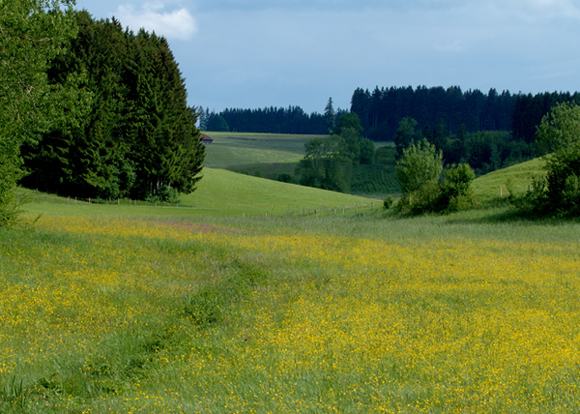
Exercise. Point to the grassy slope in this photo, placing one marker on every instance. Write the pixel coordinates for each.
(516, 178)
(219, 193)
(237, 149)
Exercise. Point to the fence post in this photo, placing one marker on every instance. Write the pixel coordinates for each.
(500, 191)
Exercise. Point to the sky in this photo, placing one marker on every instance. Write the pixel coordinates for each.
(258, 53)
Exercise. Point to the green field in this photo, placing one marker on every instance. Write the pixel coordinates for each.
(127, 308)
(515, 179)
(268, 154)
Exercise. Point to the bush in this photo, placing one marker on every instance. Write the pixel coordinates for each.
(456, 193)
(166, 194)
(559, 192)
(388, 202)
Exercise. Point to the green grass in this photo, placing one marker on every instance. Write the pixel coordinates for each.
(236, 150)
(514, 179)
(367, 313)
(214, 309)
(220, 193)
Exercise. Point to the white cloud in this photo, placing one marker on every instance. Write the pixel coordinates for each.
(178, 24)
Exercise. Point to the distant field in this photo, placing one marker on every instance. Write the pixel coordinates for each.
(232, 149)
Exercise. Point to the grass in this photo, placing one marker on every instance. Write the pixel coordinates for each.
(314, 314)
(515, 179)
(243, 150)
(124, 308)
(219, 193)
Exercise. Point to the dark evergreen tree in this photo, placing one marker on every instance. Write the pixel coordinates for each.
(139, 137)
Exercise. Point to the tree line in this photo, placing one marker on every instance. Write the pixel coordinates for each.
(381, 111)
(272, 120)
(136, 136)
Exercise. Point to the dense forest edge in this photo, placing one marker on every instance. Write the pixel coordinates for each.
(91, 109)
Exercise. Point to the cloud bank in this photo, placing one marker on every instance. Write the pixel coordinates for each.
(178, 24)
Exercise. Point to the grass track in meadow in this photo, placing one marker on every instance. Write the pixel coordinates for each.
(435, 314)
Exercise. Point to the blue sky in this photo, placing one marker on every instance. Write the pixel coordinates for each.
(257, 53)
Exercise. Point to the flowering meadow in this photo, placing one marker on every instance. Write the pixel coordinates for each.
(346, 315)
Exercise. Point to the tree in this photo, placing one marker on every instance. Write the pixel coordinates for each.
(456, 191)
(329, 116)
(559, 192)
(324, 164)
(419, 165)
(418, 171)
(217, 123)
(406, 134)
(138, 136)
(32, 33)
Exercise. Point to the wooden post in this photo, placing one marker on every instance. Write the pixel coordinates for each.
(500, 191)
(315, 213)
(89, 200)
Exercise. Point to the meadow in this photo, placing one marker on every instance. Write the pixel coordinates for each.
(110, 308)
(108, 312)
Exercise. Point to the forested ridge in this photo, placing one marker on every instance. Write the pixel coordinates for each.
(381, 111)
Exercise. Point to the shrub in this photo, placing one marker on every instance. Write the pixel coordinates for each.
(559, 192)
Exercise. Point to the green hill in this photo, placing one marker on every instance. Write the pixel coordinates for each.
(228, 190)
(514, 179)
(219, 193)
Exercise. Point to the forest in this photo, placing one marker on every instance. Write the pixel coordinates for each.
(107, 115)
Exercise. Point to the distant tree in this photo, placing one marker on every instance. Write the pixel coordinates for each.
(406, 134)
(217, 123)
(324, 164)
(203, 116)
(329, 116)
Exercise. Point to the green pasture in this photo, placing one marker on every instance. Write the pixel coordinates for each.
(236, 150)
(220, 193)
(514, 180)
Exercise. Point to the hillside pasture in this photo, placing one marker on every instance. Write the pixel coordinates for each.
(220, 193)
(514, 180)
(231, 149)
